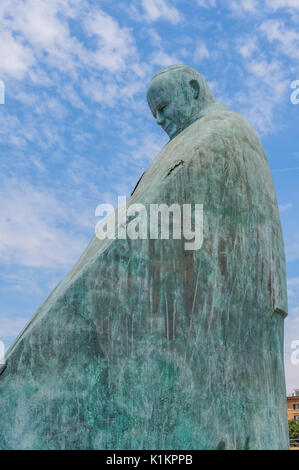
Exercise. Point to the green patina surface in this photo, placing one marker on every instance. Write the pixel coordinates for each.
(145, 345)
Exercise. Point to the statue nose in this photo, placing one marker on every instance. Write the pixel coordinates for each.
(160, 118)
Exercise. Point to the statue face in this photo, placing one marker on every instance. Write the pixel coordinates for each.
(172, 103)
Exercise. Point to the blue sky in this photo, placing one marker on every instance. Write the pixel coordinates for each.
(76, 131)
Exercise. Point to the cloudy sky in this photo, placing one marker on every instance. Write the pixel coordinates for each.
(75, 129)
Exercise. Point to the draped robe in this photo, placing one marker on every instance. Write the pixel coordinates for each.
(146, 345)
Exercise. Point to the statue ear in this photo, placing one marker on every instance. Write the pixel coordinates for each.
(195, 88)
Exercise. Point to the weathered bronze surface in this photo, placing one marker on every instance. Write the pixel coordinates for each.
(145, 345)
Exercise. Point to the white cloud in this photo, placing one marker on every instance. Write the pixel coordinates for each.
(291, 334)
(105, 93)
(115, 44)
(34, 31)
(247, 47)
(21, 280)
(241, 7)
(10, 327)
(149, 147)
(15, 58)
(162, 59)
(73, 97)
(267, 79)
(277, 4)
(160, 9)
(51, 107)
(28, 99)
(292, 250)
(266, 88)
(34, 227)
(292, 373)
(201, 52)
(206, 3)
(293, 287)
(287, 38)
(39, 23)
(154, 37)
(286, 169)
(295, 312)
(285, 207)
(36, 34)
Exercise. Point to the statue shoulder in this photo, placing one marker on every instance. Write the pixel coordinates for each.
(231, 125)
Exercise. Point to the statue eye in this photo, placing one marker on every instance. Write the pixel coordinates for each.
(161, 108)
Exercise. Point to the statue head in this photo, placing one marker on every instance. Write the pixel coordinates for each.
(177, 95)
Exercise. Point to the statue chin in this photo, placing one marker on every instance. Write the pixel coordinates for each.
(172, 132)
